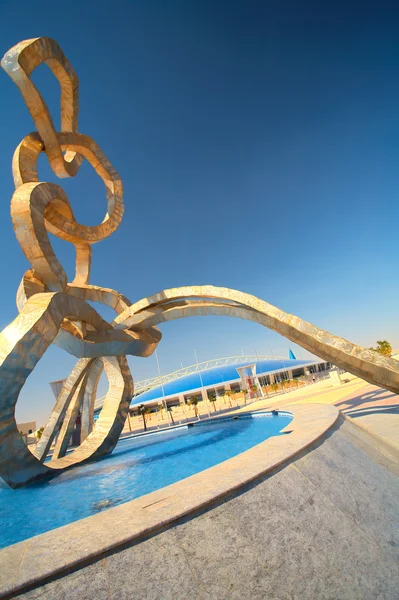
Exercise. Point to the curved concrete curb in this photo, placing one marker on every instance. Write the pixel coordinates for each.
(375, 441)
(40, 558)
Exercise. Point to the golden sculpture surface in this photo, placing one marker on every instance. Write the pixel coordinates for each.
(53, 310)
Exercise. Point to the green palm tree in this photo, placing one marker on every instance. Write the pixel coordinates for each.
(169, 409)
(148, 412)
(212, 398)
(283, 384)
(141, 411)
(274, 386)
(254, 388)
(383, 347)
(194, 403)
(244, 391)
(229, 394)
(161, 409)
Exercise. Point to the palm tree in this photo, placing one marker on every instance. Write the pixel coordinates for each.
(194, 403)
(383, 347)
(148, 412)
(160, 409)
(39, 433)
(288, 383)
(169, 409)
(274, 386)
(141, 411)
(283, 384)
(244, 391)
(254, 389)
(212, 398)
(229, 394)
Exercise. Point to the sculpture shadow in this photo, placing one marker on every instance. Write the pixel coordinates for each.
(372, 396)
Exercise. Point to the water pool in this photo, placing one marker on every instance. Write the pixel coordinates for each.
(137, 466)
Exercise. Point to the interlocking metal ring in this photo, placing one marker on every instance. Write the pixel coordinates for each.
(19, 62)
(51, 308)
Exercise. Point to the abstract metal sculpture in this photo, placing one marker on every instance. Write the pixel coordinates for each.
(50, 308)
(53, 310)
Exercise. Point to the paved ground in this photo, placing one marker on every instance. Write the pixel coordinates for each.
(333, 514)
(372, 407)
(324, 527)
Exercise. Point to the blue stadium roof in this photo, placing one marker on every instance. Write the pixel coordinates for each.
(216, 376)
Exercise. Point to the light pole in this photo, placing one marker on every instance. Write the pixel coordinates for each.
(203, 391)
(163, 390)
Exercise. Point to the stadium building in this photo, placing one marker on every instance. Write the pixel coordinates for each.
(234, 373)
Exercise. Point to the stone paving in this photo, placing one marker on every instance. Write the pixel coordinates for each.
(56, 552)
(375, 408)
(324, 527)
(338, 502)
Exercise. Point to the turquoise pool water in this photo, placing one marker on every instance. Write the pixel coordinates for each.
(137, 466)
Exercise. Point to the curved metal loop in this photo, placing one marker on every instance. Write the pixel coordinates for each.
(58, 222)
(81, 340)
(176, 303)
(19, 62)
(51, 309)
(23, 343)
(28, 205)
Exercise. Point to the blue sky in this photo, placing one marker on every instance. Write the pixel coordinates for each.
(258, 144)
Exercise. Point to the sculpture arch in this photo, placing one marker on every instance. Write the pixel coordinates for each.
(177, 303)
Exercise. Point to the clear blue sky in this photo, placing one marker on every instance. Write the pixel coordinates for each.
(258, 144)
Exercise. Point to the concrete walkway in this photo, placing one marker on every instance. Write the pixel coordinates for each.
(332, 513)
(376, 409)
(323, 392)
(372, 407)
(323, 527)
